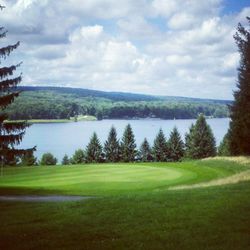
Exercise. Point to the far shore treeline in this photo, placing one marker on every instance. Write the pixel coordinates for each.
(65, 103)
(199, 143)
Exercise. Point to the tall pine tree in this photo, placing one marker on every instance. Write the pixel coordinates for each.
(145, 152)
(239, 132)
(94, 150)
(128, 145)
(189, 142)
(160, 148)
(11, 134)
(112, 147)
(176, 146)
(200, 140)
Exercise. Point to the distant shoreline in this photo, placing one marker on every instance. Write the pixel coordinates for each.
(93, 118)
(72, 119)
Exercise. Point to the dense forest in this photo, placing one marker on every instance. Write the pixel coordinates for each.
(63, 103)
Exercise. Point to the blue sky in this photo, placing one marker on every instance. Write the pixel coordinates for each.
(160, 47)
(234, 6)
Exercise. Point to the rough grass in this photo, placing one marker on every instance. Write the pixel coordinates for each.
(236, 178)
(148, 217)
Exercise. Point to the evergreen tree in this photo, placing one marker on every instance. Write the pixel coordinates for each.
(223, 149)
(189, 142)
(201, 141)
(65, 160)
(11, 134)
(160, 148)
(78, 157)
(48, 159)
(145, 152)
(94, 150)
(176, 146)
(239, 132)
(128, 145)
(28, 159)
(112, 147)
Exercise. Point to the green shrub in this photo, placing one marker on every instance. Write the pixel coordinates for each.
(48, 159)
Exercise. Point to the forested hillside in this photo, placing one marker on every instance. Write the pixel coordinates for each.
(63, 103)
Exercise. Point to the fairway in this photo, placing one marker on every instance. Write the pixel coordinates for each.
(135, 206)
(110, 179)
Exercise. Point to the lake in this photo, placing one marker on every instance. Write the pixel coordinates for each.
(65, 138)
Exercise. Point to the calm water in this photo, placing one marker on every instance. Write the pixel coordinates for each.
(65, 138)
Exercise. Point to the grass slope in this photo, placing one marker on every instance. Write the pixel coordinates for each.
(134, 208)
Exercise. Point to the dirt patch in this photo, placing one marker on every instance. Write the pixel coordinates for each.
(40, 198)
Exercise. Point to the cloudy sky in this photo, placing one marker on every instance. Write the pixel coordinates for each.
(160, 47)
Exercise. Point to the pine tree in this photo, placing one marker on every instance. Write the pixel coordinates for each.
(201, 141)
(78, 157)
(176, 146)
(128, 145)
(160, 148)
(223, 149)
(112, 147)
(65, 160)
(239, 132)
(11, 134)
(145, 152)
(94, 150)
(189, 142)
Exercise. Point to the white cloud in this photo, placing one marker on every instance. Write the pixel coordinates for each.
(86, 34)
(137, 27)
(182, 21)
(165, 8)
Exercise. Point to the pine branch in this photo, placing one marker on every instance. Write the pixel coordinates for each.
(9, 83)
(6, 71)
(16, 152)
(10, 127)
(3, 34)
(8, 99)
(11, 140)
(5, 51)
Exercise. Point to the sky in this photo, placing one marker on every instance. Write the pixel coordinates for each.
(158, 47)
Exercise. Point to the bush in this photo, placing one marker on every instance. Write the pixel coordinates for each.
(48, 159)
(28, 159)
(78, 157)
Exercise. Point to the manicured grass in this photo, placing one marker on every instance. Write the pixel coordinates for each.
(110, 179)
(133, 210)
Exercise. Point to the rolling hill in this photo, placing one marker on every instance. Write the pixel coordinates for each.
(63, 103)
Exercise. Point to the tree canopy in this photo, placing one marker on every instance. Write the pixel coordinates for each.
(200, 141)
(112, 146)
(239, 133)
(11, 134)
(128, 145)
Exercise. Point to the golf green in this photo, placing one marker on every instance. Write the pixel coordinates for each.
(110, 179)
